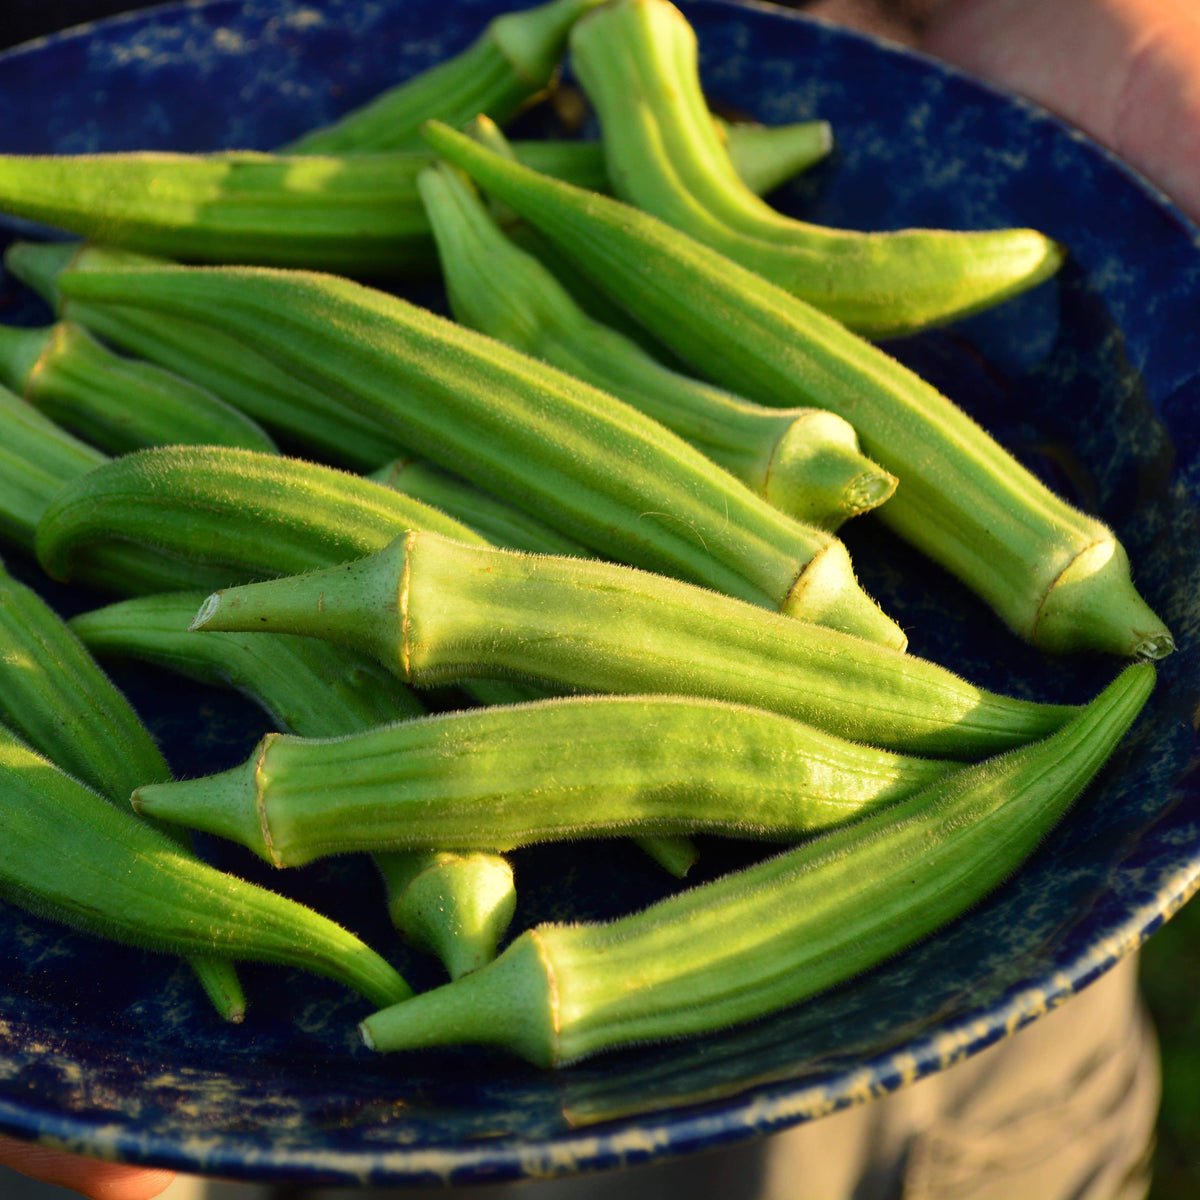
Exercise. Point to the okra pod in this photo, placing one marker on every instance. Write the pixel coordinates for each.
(435, 610)
(457, 906)
(214, 511)
(598, 470)
(1055, 575)
(113, 402)
(70, 855)
(770, 936)
(502, 777)
(507, 66)
(805, 462)
(56, 697)
(637, 61)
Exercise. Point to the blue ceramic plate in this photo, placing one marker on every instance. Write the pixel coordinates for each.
(1093, 380)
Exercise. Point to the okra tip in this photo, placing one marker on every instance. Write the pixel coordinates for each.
(1093, 605)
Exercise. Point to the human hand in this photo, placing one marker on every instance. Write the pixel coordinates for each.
(94, 1179)
(1125, 71)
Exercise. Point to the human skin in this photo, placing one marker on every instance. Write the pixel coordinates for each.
(96, 1180)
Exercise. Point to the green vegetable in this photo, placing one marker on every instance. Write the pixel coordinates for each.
(70, 855)
(498, 778)
(116, 403)
(805, 462)
(1057, 576)
(434, 610)
(770, 936)
(637, 61)
(597, 470)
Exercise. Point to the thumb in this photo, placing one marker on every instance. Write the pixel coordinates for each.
(91, 1178)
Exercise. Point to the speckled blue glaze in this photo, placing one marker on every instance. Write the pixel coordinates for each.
(1092, 380)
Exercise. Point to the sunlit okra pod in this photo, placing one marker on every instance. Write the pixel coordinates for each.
(512, 775)
(768, 156)
(218, 511)
(1057, 576)
(500, 523)
(457, 906)
(113, 402)
(36, 458)
(357, 215)
(806, 462)
(56, 697)
(768, 937)
(290, 406)
(435, 610)
(637, 61)
(70, 855)
(599, 471)
(509, 64)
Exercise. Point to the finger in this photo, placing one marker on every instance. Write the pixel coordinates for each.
(1125, 71)
(89, 1177)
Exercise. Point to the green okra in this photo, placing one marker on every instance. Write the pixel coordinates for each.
(458, 906)
(113, 402)
(506, 67)
(1055, 575)
(435, 610)
(499, 523)
(219, 512)
(637, 62)
(54, 695)
(70, 855)
(358, 215)
(806, 462)
(36, 458)
(598, 470)
(770, 936)
(512, 775)
(767, 156)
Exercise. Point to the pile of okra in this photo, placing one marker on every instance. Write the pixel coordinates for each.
(601, 504)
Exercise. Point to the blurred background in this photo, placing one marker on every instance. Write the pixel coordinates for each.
(1170, 963)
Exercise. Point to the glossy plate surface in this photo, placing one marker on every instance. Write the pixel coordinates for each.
(1092, 379)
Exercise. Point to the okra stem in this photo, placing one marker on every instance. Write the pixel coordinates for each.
(434, 610)
(498, 778)
(601, 472)
(806, 462)
(764, 938)
(1057, 576)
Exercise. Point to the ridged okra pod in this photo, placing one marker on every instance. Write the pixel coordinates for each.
(598, 470)
(435, 610)
(511, 775)
(290, 406)
(36, 458)
(637, 61)
(358, 215)
(216, 512)
(70, 855)
(805, 462)
(56, 697)
(770, 936)
(113, 402)
(1057, 576)
(513, 60)
(457, 906)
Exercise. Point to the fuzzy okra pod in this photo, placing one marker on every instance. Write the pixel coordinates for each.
(56, 697)
(805, 462)
(1056, 576)
(436, 610)
(358, 215)
(511, 775)
(770, 936)
(457, 906)
(637, 61)
(595, 468)
(507, 66)
(113, 402)
(70, 855)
